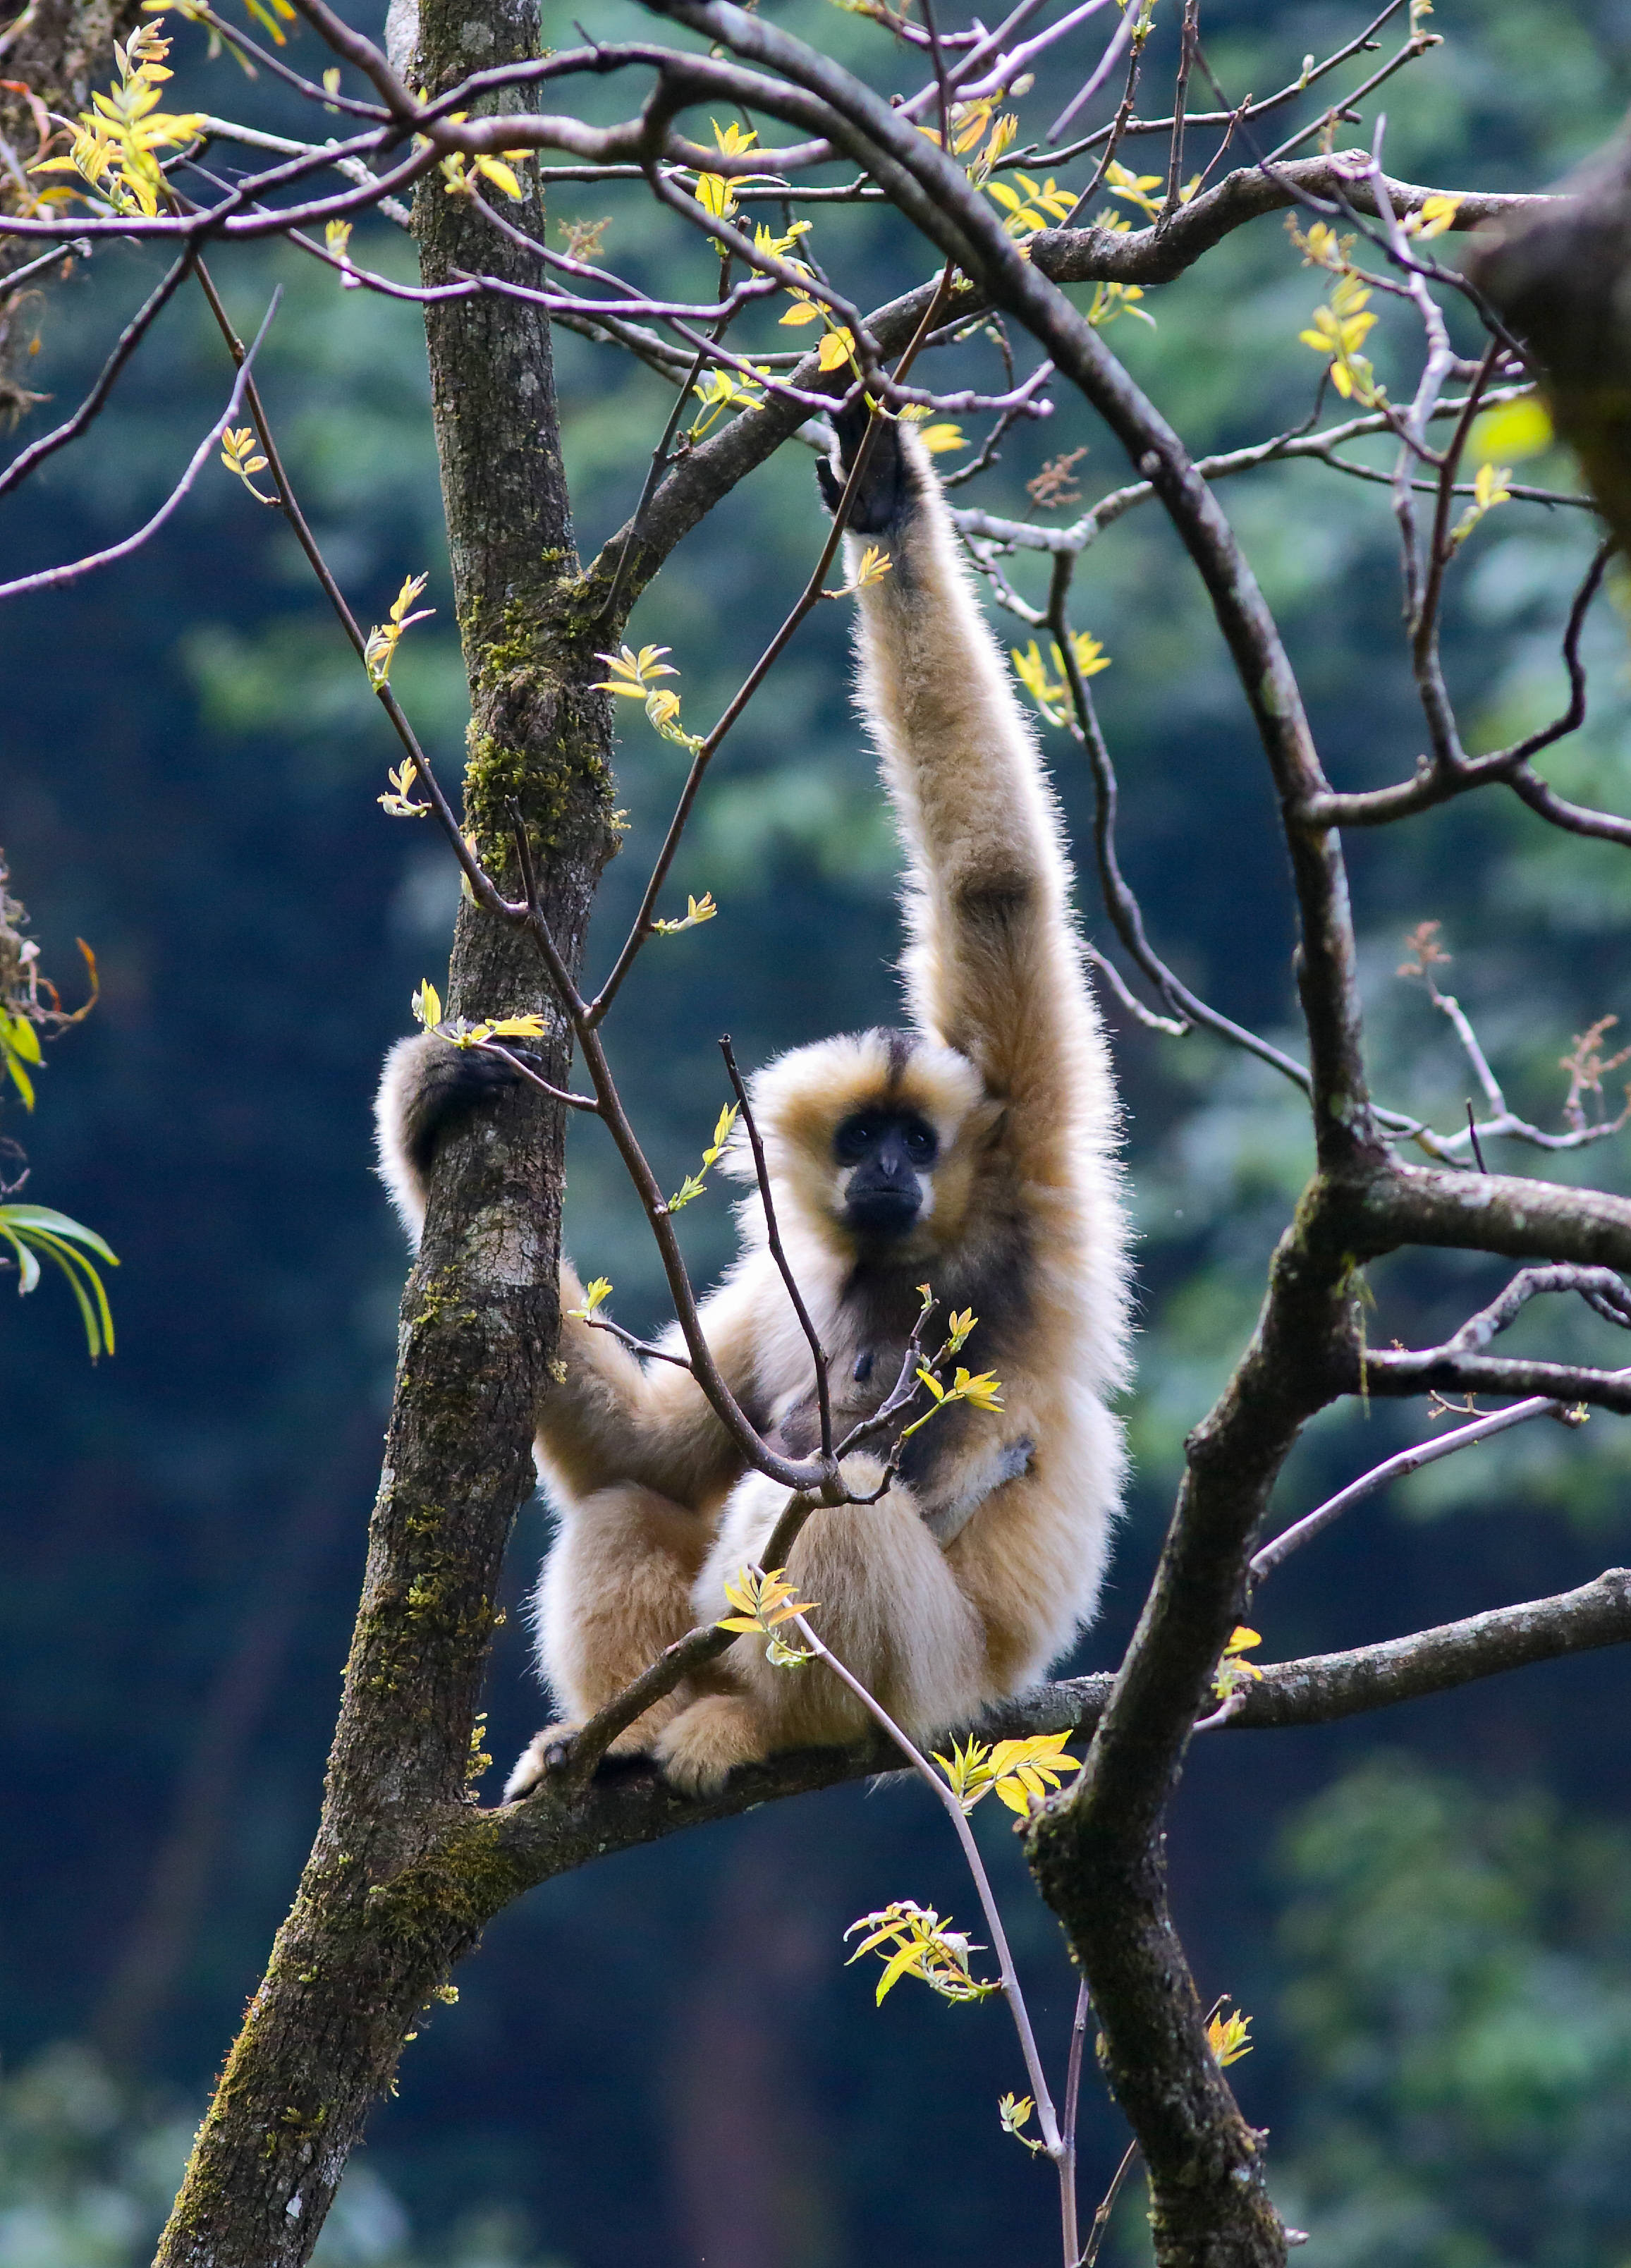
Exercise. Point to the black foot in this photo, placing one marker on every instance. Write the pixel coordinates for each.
(449, 1083)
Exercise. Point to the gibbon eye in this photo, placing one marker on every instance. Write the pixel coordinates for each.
(856, 1140)
(921, 1141)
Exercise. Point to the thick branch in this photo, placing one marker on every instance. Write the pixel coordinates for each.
(627, 1803)
(1490, 1212)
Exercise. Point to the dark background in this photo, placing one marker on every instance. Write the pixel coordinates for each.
(1428, 1914)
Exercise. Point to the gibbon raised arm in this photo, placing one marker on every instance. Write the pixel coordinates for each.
(974, 1151)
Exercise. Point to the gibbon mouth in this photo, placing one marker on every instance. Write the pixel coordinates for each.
(883, 1213)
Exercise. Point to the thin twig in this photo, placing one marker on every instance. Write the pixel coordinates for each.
(1052, 2141)
(135, 331)
(48, 578)
(778, 1253)
(1101, 2219)
(1409, 1461)
(1073, 2098)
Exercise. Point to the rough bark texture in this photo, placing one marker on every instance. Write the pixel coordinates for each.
(1560, 277)
(59, 49)
(403, 1873)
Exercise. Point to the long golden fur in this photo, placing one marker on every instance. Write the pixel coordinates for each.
(984, 1559)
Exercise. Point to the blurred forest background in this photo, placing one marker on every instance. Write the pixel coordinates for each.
(1427, 1914)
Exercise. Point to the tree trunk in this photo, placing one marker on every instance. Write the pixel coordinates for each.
(58, 48)
(389, 1900)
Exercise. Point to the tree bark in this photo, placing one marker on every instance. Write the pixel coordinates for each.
(403, 1872)
(58, 48)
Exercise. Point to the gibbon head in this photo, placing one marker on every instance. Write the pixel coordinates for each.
(873, 1140)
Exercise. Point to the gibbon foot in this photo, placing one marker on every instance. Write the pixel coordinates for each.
(701, 1748)
(543, 1751)
(547, 1750)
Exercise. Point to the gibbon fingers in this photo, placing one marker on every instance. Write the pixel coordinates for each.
(974, 1151)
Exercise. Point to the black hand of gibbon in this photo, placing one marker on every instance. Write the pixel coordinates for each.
(886, 491)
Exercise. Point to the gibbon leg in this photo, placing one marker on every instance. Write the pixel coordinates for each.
(886, 1601)
(615, 1590)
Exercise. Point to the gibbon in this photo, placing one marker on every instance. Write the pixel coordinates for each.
(974, 1151)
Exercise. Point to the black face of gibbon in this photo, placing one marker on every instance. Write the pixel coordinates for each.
(887, 1150)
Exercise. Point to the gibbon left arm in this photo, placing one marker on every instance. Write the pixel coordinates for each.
(608, 1419)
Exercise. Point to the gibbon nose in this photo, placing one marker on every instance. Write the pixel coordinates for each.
(883, 1197)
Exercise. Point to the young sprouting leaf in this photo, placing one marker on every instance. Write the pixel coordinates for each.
(595, 1295)
(836, 348)
(764, 1601)
(1438, 215)
(697, 911)
(1489, 489)
(427, 1005)
(875, 564)
(723, 1124)
(912, 1941)
(716, 195)
(804, 309)
(1233, 1671)
(734, 141)
(1339, 330)
(502, 173)
(721, 390)
(634, 673)
(694, 1184)
(1022, 1772)
(238, 456)
(1512, 430)
(337, 243)
(400, 803)
(379, 647)
(1229, 2037)
(1018, 1772)
(1014, 2113)
(981, 1392)
(1051, 696)
(767, 244)
(939, 440)
(118, 142)
(1135, 189)
(32, 1229)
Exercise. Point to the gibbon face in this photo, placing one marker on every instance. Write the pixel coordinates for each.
(875, 1137)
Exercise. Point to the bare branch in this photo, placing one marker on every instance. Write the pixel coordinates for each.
(778, 1253)
(1392, 1468)
(135, 331)
(53, 578)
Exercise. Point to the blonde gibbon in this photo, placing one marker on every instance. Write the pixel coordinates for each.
(974, 1151)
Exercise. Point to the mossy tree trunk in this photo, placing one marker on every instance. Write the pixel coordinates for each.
(385, 1907)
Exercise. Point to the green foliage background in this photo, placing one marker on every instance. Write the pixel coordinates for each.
(1426, 1916)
